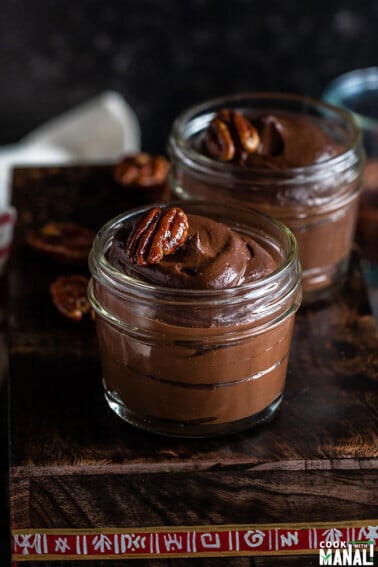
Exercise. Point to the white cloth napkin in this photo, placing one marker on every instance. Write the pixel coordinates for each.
(102, 129)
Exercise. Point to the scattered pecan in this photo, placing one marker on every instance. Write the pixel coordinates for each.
(69, 295)
(141, 170)
(158, 233)
(230, 135)
(62, 241)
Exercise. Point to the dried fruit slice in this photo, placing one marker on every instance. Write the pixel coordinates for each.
(62, 241)
(69, 295)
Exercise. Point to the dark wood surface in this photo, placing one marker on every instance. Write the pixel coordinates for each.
(76, 464)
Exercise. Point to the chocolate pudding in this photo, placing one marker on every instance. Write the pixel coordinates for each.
(285, 140)
(213, 257)
(367, 225)
(293, 158)
(197, 343)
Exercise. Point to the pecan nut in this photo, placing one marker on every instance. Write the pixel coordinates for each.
(158, 233)
(69, 295)
(230, 135)
(141, 170)
(62, 241)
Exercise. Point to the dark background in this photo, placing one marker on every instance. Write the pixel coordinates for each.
(163, 56)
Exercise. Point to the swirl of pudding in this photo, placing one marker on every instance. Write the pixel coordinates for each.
(291, 141)
(280, 140)
(213, 256)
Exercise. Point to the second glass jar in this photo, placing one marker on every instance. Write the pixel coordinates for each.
(317, 202)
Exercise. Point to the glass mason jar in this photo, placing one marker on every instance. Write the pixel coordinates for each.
(358, 91)
(196, 363)
(317, 202)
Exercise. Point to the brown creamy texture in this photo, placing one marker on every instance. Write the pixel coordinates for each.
(320, 210)
(367, 225)
(213, 257)
(288, 140)
(195, 369)
(191, 382)
(291, 141)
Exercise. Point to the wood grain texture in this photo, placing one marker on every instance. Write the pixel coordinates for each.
(208, 498)
(76, 464)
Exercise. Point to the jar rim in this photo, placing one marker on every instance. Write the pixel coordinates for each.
(351, 84)
(112, 276)
(178, 142)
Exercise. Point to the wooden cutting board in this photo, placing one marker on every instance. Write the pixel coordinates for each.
(79, 474)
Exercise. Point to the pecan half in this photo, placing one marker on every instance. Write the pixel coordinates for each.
(141, 170)
(230, 135)
(69, 295)
(158, 233)
(62, 241)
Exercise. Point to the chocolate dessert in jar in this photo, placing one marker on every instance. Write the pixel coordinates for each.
(294, 158)
(194, 312)
(358, 92)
